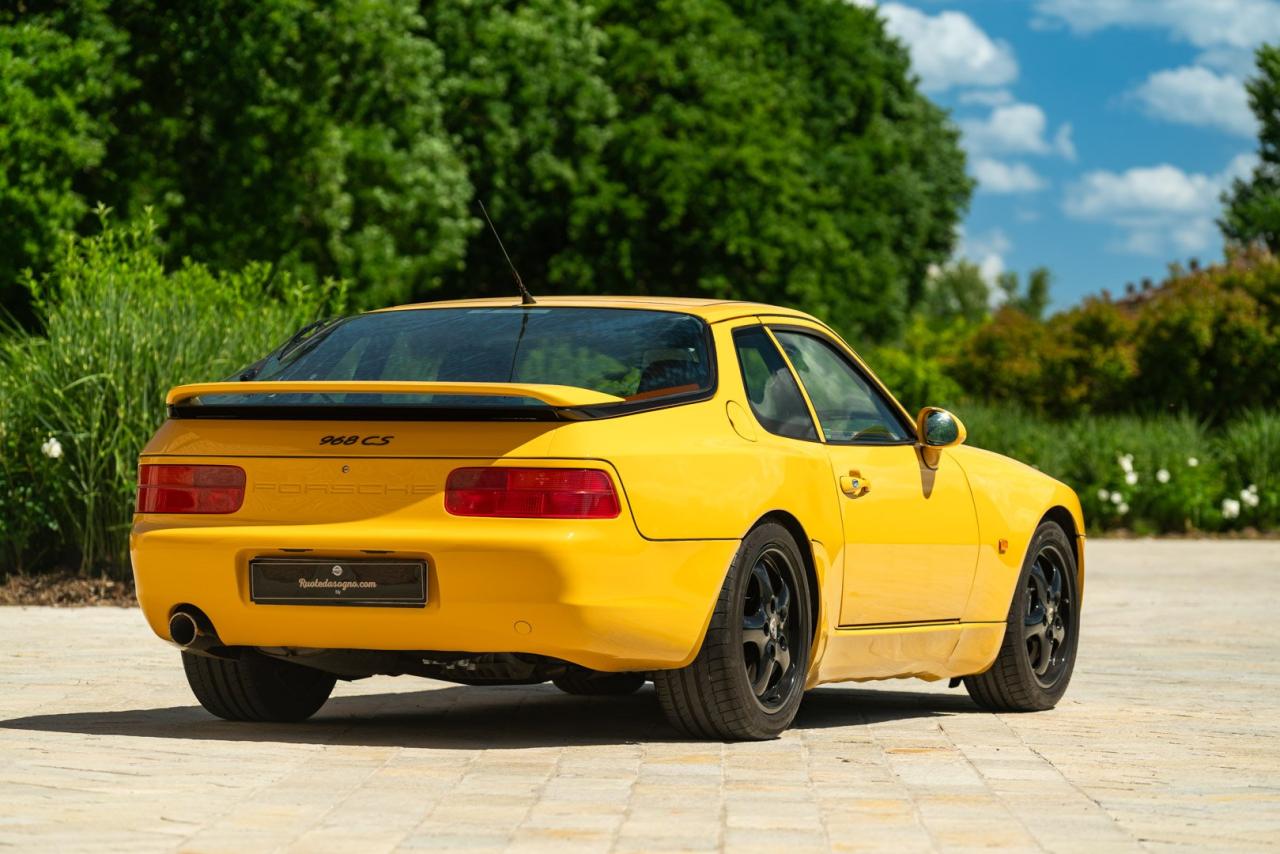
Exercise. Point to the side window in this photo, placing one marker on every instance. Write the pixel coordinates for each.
(849, 408)
(771, 390)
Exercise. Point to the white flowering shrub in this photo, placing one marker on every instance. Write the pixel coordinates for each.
(1161, 474)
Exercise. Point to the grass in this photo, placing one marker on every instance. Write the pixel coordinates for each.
(80, 397)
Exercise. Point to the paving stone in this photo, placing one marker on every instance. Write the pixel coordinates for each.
(1168, 737)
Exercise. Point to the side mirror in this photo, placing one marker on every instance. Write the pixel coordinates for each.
(937, 429)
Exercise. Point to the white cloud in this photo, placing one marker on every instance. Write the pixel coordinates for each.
(1015, 129)
(1238, 62)
(997, 176)
(1197, 96)
(1203, 23)
(1063, 142)
(987, 97)
(1226, 31)
(1157, 209)
(987, 251)
(948, 49)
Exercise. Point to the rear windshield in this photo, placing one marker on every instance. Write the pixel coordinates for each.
(637, 355)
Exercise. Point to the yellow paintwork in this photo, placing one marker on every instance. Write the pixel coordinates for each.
(907, 574)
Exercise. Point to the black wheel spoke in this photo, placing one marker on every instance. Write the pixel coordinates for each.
(782, 602)
(755, 631)
(1031, 630)
(1058, 633)
(782, 655)
(765, 586)
(764, 670)
(1055, 587)
(1039, 580)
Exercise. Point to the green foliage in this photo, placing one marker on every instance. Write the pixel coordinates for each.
(528, 106)
(916, 368)
(1035, 299)
(54, 87)
(1252, 213)
(116, 331)
(1206, 343)
(1161, 474)
(1251, 451)
(780, 152)
(773, 152)
(306, 136)
(1209, 345)
(957, 291)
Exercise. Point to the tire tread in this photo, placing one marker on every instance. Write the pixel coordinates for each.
(249, 688)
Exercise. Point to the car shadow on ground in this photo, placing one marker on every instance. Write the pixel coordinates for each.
(508, 717)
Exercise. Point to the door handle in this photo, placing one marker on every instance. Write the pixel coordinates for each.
(854, 485)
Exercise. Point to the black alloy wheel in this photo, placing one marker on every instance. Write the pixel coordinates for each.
(1048, 616)
(769, 626)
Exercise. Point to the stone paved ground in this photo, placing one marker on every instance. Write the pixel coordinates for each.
(1168, 737)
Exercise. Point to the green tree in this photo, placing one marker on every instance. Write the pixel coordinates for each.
(885, 161)
(1252, 211)
(57, 76)
(779, 152)
(525, 99)
(725, 148)
(1035, 299)
(957, 291)
(307, 136)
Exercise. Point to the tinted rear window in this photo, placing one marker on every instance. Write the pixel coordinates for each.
(638, 355)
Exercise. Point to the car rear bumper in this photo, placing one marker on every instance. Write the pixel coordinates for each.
(598, 595)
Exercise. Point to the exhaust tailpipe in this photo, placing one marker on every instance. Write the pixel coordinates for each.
(192, 631)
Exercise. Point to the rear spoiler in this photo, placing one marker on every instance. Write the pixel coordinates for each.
(555, 396)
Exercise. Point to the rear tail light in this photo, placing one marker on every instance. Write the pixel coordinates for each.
(190, 489)
(531, 493)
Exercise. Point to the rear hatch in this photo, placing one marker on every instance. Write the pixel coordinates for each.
(367, 416)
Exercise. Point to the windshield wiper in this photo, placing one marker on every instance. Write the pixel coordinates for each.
(294, 341)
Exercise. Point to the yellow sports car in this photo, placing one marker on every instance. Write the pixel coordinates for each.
(716, 496)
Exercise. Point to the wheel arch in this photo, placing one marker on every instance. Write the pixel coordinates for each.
(1063, 516)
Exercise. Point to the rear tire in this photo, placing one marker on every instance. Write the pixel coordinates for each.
(748, 679)
(256, 688)
(1038, 654)
(582, 682)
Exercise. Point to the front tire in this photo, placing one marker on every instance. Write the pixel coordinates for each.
(748, 679)
(1038, 654)
(256, 688)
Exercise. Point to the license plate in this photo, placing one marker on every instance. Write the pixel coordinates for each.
(287, 581)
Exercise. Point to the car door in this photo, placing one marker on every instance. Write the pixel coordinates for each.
(910, 531)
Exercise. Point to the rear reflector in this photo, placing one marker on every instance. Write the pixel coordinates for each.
(190, 489)
(531, 493)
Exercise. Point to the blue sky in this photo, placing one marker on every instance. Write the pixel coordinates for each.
(1101, 132)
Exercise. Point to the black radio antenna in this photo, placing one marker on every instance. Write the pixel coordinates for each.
(526, 298)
